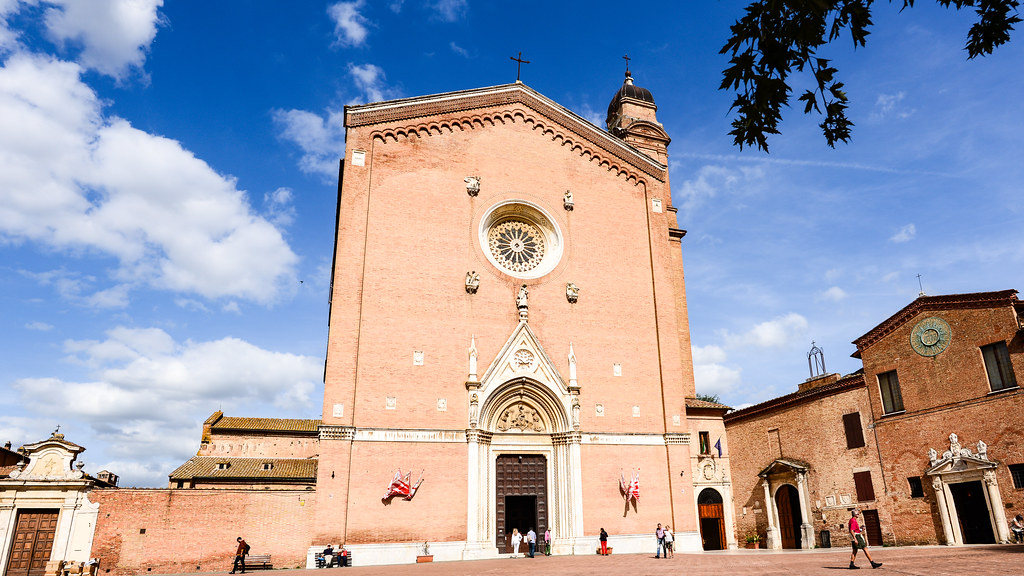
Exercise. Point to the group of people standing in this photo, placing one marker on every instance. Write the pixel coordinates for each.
(665, 539)
(531, 540)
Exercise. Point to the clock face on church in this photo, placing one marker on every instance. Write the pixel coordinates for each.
(930, 336)
(520, 239)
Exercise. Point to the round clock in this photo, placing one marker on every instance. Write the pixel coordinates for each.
(930, 336)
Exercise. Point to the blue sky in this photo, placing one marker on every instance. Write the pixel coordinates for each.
(168, 178)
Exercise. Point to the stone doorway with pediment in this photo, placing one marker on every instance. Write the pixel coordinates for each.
(967, 494)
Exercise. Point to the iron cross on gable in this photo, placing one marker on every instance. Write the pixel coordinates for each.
(519, 64)
(627, 59)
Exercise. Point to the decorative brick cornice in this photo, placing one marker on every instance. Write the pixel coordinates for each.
(566, 438)
(848, 382)
(677, 438)
(329, 432)
(933, 303)
(479, 436)
(510, 103)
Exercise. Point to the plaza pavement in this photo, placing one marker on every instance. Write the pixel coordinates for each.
(988, 560)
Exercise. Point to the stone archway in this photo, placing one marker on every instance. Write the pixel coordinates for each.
(524, 429)
(711, 510)
(787, 503)
(783, 473)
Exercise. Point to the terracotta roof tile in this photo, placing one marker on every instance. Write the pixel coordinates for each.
(929, 303)
(698, 403)
(848, 382)
(280, 469)
(266, 424)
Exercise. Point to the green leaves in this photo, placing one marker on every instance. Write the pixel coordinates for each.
(778, 37)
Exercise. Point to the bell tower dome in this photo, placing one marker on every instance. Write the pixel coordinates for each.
(632, 118)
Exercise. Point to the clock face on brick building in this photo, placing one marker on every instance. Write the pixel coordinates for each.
(930, 336)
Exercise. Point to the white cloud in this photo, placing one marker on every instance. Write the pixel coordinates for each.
(349, 24)
(775, 333)
(280, 210)
(710, 373)
(889, 105)
(458, 49)
(321, 139)
(370, 80)
(450, 10)
(8, 37)
(114, 34)
(76, 181)
(904, 234)
(712, 180)
(39, 326)
(835, 294)
(147, 393)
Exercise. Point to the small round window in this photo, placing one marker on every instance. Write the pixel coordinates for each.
(520, 239)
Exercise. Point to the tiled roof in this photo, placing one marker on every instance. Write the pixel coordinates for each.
(266, 424)
(848, 382)
(281, 468)
(698, 403)
(927, 303)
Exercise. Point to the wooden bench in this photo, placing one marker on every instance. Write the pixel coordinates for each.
(262, 561)
(336, 560)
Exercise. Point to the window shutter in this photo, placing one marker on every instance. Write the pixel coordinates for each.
(854, 433)
(865, 491)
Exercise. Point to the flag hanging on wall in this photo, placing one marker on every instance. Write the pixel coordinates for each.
(632, 489)
(403, 486)
(718, 445)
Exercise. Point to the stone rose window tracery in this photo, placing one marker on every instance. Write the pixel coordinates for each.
(517, 245)
(520, 239)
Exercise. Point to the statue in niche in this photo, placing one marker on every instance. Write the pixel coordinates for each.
(572, 292)
(575, 413)
(522, 299)
(567, 200)
(472, 185)
(474, 409)
(472, 282)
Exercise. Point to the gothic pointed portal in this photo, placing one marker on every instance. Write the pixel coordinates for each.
(527, 449)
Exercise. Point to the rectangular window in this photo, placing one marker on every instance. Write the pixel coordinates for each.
(916, 489)
(892, 399)
(865, 491)
(998, 366)
(854, 433)
(1017, 473)
(705, 442)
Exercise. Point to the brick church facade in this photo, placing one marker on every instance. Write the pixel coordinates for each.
(508, 321)
(926, 439)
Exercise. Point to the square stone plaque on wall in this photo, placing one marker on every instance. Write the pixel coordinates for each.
(390, 403)
(338, 411)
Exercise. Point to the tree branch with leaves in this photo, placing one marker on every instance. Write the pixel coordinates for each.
(777, 38)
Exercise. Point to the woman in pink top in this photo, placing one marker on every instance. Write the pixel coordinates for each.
(858, 540)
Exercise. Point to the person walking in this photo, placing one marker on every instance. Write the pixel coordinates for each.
(531, 538)
(240, 553)
(517, 539)
(659, 533)
(604, 542)
(547, 542)
(859, 541)
(669, 538)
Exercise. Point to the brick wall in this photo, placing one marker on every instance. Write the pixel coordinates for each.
(176, 531)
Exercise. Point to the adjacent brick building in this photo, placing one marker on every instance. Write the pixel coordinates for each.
(926, 439)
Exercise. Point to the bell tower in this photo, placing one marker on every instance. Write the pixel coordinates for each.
(632, 118)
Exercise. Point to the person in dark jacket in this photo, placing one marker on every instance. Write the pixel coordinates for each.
(604, 542)
(240, 553)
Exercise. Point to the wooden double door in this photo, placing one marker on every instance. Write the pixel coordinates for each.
(521, 498)
(34, 533)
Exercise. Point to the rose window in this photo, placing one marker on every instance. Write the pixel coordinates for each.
(517, 245)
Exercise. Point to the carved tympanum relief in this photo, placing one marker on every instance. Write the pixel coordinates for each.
(520, 417)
